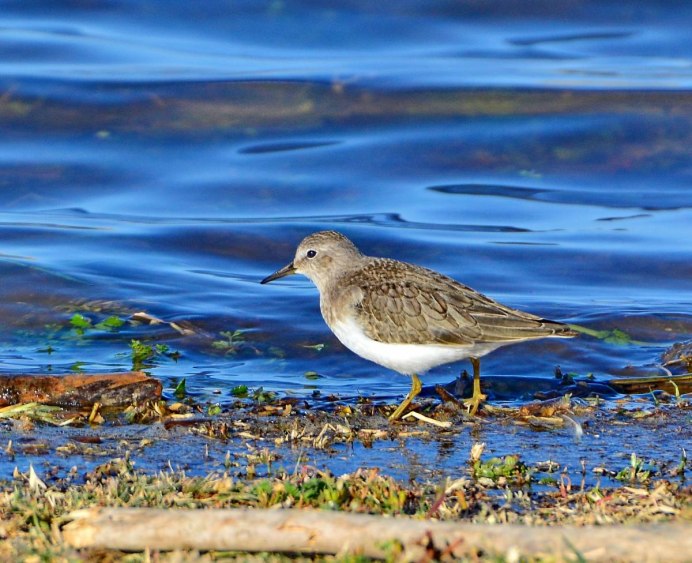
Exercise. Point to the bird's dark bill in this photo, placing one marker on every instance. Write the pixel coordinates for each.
(287, 270)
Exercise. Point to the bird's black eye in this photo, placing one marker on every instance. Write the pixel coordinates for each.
(311, 253)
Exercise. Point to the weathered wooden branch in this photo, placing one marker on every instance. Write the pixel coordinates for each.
(673, 384)
(79, 390)
(323, 532)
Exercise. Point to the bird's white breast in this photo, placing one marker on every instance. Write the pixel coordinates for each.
(404, 358)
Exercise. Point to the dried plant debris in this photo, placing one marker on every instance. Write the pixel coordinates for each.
(270, 442)
(276, 446)
(488, 490)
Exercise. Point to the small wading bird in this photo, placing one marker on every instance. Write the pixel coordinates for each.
(405, 317)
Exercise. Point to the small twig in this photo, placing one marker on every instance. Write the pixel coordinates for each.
(446, 396)
(418, 416)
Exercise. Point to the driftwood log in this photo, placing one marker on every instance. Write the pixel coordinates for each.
(79, 390)
(674, 384)
(323, 532)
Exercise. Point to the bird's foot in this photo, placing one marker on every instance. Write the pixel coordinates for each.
(474, 402)
(416, 387)
(396, 415)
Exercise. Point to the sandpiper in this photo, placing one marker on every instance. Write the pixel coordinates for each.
(406, 317)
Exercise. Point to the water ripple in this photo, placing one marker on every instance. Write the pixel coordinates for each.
(285, 146)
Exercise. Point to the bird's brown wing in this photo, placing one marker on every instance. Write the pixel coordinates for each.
(412, 305)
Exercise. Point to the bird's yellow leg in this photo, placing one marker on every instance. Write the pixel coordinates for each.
(477, 398)
(416, 387)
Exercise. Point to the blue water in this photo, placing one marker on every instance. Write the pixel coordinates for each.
(164, 157)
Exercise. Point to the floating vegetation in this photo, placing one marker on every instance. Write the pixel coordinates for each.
(231, 341)
(614, 336)
(501, 470)
(145, 355)
(239, 391)
(180, 389)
